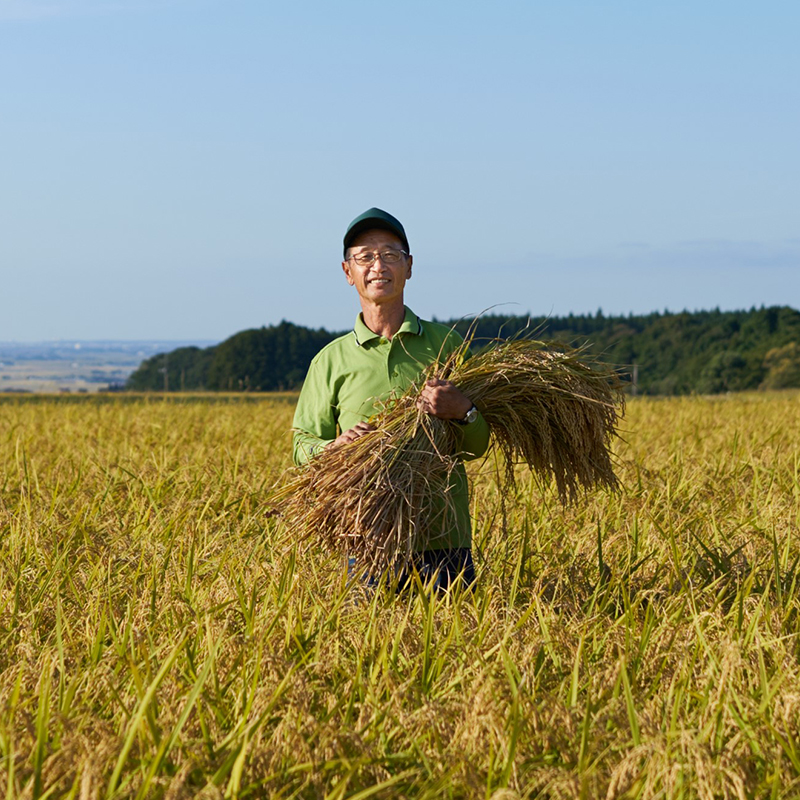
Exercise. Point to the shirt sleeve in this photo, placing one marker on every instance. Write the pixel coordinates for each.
(474, 438)
(315, 418)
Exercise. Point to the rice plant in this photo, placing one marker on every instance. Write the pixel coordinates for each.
(382, 497)
(162, 636)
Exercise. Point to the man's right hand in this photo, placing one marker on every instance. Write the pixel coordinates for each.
(356, 432)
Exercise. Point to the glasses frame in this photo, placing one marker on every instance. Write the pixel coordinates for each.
(376, 255)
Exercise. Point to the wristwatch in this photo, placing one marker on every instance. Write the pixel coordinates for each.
(469, 417)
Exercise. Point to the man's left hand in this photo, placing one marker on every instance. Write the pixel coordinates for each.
(443, 399)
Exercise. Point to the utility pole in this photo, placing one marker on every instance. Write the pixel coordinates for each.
(635, 383)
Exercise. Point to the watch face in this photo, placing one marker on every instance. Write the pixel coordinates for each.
(472, 415)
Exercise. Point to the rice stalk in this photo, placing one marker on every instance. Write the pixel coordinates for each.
(386, 495)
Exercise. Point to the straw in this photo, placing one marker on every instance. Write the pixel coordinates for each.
(384, 496)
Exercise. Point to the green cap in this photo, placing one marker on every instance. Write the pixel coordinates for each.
(374, 218)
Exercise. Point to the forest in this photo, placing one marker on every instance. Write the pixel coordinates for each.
(661, 353)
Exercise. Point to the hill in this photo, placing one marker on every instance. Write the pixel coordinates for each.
(671, 353)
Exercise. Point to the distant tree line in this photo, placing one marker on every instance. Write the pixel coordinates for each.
(670, 353)
(268, 359)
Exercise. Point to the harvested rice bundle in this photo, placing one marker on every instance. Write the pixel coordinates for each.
(375, 498)
(379, 497)
(548, 409)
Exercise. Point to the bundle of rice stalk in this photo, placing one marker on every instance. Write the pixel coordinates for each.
(383, 497)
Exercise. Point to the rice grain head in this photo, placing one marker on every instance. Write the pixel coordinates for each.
(383, 497)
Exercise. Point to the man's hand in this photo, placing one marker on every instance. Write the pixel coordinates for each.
(356, 432)
(443, 399)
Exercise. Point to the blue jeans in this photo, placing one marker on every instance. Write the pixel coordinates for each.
(444, 567)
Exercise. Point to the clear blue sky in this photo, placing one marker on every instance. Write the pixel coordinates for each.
(186, 168)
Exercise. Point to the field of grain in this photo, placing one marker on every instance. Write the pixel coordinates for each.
(161, 635)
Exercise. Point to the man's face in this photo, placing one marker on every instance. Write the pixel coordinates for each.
(379, 282)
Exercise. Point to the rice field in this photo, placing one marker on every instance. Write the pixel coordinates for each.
(162, 635)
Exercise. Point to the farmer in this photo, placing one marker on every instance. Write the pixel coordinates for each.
(388, 348)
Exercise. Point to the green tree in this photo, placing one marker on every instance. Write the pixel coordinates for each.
(782, 365)
(676, 353)
(725, 372)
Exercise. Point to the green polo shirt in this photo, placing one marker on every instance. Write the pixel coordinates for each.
(350, 378)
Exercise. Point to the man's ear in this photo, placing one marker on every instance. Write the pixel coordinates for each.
(346, 269)
(409, 262)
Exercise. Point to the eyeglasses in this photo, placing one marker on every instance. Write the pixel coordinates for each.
(387, 256)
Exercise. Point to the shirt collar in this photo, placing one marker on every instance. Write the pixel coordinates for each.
(411, 324)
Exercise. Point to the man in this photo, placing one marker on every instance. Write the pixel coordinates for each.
(387, 350)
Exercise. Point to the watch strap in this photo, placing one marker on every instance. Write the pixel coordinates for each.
(469, 417)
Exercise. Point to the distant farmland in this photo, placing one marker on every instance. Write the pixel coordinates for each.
(74, 366)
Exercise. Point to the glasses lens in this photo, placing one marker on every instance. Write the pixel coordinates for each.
(390, 256)
(364, 259)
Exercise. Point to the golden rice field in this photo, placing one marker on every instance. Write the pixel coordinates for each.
(162, 636)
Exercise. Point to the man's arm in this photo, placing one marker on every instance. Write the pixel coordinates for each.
(445, 400)
(305, 447)
(474, 438)
(316, 420)
(314, 426)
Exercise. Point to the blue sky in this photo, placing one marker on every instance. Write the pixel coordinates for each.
(177, 169)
